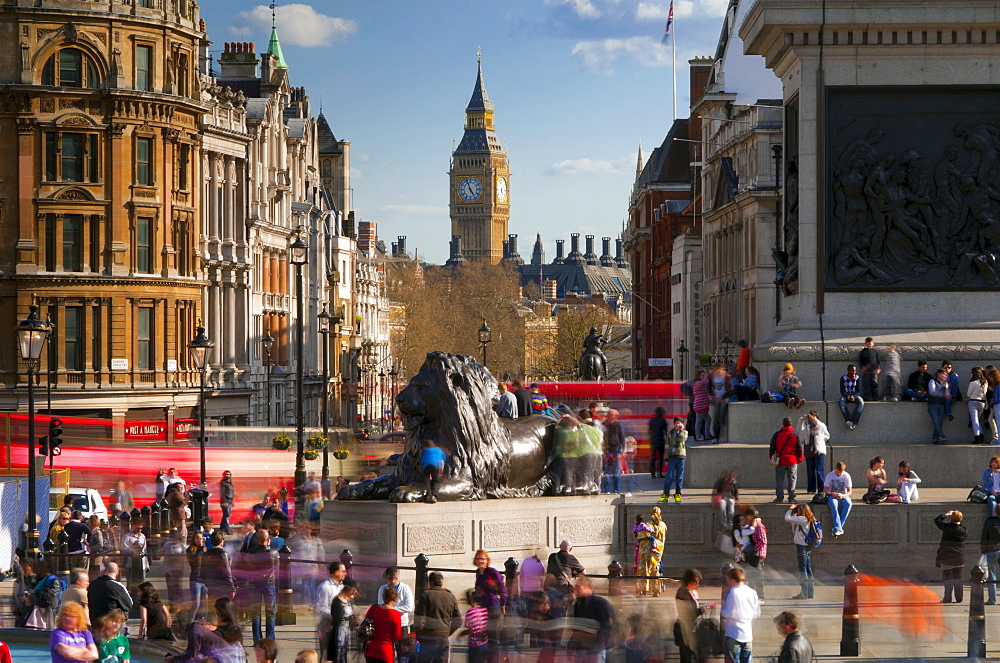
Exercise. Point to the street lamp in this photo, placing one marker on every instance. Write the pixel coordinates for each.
(683, 352)
(393, 373)
(485, 337)
(268, 342)
(31, 335)
(726, 343)
(299, 251)
(381, 398)
(324, 319)
(201, 350)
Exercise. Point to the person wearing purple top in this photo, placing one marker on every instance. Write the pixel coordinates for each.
(72, 641)
(492, 594)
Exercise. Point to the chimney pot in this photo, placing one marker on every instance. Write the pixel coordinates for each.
(253, 47)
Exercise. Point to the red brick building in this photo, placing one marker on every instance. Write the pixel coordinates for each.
(663, 204)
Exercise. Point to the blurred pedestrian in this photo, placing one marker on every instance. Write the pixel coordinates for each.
(593, 620)
(341, 612)
(386, 628)
(740, 608)
(951, 553)
(227, 497)
(71, 641)
(689, 609)
(262, 564)
(506, 406)
(814, 435)
(79, 581)
(436, 618)
(154, 618)
(802, 520)
(796, 647)
(403, 603)
(989, 543)
(657, 430)
(786, 453)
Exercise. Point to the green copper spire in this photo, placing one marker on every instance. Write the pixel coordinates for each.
(274, 48)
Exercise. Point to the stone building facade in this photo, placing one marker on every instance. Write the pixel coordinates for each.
(99, 201)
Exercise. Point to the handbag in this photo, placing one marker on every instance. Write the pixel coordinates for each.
(820, 498)
(774, 460)
(978, 495)
(366, 630)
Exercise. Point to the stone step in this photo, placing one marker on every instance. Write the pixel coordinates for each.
(939, 466)
(882, 423)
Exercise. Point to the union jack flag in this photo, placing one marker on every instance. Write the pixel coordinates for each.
(670, 24)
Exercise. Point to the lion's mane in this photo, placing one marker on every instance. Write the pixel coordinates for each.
(457, 413)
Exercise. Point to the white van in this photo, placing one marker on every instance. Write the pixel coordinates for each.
(86, 500)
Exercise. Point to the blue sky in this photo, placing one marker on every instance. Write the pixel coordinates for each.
(576, 84)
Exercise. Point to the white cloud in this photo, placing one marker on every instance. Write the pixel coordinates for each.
(601, 56)
(298, 24)
(582, 8)
(650, 11)
(584, 166)
(657, 11)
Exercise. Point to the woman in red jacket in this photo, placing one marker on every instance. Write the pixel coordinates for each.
(388, 628)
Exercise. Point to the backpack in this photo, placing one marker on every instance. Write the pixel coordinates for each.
(48, 591)
(814, 535)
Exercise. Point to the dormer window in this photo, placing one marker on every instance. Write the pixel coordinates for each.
(71, 67)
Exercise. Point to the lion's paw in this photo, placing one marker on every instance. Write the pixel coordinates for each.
(408, 494)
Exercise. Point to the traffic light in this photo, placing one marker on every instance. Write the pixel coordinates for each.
(55, 436)
(43, 446)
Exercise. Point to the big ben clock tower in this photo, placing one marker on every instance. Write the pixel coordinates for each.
(480, 182)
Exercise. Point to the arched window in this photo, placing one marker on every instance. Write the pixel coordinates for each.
(71, 67)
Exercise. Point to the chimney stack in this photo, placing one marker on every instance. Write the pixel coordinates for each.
(619, 258)
(239, 60)
(590, 256)
(574, 257)
(560, 247)
(455, 259)
(606, 259)
(402, 245)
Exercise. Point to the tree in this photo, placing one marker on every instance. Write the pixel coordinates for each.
(445, 308)
(574, 325)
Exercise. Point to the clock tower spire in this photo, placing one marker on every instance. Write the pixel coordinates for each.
(480, 180)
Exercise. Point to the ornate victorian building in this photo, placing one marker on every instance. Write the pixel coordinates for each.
(480, 182)
(99, 198)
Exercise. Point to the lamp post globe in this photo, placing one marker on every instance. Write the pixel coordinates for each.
(485, 336)
(31, 335)
(200, 349)
(683, 351)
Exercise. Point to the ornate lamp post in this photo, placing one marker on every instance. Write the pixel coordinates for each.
(201, 349)
(268, 342)
(683, 352)
(485, 338)
(31, 335)
(381, 398)
(299, 251)
(324, 319)
(726, 344)
(392, 399)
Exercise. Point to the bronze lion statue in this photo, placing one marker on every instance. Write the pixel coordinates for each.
(450, 401)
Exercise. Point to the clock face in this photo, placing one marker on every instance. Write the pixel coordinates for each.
(501, 190)
(470, 189)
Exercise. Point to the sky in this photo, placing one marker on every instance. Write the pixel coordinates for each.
(576, 86)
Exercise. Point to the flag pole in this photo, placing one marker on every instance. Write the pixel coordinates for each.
(673, 62)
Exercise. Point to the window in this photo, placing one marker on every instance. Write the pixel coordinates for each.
(95, 337)
(71, 67)
(144, 68)
(144, 245)
(183, 165)
(73, 337)
(144, 160)
(182, 75)
(95, 244)
(183, 252)
(71, 157)
(144, 360)
(72, 243)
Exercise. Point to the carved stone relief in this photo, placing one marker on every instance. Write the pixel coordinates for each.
(586, 531)
(506, 534)
(434, 539)
(914, 189)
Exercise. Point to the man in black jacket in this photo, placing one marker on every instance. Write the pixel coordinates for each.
(796, 648)
(436, 617)
(593, 620)
(523, 398)
(106, 594)
(564, 566)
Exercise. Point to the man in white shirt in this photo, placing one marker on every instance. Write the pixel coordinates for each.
(404, 602)
(739, 609)
(325, 593)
